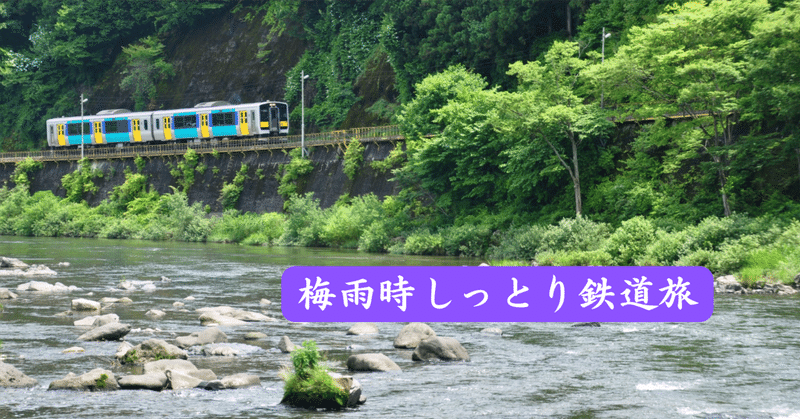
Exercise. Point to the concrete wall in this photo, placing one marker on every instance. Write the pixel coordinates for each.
(327, 181)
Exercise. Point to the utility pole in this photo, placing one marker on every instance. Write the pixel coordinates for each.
(82, 102)
(602, 61)
(303, 77)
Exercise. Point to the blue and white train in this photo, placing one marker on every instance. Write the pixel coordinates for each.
(205, 120)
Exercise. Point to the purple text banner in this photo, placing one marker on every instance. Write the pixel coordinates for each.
(497, 294)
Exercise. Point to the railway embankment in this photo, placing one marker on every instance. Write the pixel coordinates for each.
(210, 172)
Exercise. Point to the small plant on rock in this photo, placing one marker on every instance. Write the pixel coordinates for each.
(310, 385)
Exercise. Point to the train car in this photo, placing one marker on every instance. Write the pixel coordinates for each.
(206, 120)
(107, 127)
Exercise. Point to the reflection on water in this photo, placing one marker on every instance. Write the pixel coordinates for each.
(744, 361)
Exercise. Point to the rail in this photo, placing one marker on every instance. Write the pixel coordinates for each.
(369, 134)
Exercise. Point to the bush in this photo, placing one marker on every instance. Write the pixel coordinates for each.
(630, 240)
(345, 223)
(422, 242)
(310, 385)
(574, 234)
(304, 223)
(466, 240)
(518, 243)
(576, 258)
(664, 250)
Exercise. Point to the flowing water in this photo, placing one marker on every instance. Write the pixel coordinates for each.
(743, 362)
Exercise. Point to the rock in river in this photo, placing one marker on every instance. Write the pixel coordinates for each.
(445, 349)
(97, 379)
(412, 334)
(110, 331)
(10, 376)
(371, 362)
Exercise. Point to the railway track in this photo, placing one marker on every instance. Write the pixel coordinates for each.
(370, 134)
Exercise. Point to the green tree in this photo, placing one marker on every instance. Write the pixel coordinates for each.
(146, 67)
(773, 56)
(549, 108)
(691, 62)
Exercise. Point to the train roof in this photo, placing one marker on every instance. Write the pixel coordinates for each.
(124, 113)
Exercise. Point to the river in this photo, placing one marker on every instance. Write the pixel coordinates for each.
(743, 362)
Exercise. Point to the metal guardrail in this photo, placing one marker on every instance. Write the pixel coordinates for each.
(370, 134)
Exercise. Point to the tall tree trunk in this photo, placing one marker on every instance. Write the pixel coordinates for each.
(576, 179)
(569, 21)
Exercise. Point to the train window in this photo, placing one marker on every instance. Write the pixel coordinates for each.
(75, 129)
(158, 123)
(145, 125)
(113, 127)
(221, 119)
(185, 121)
(51, 130)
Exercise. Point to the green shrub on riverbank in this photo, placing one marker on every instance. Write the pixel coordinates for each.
(753, 249)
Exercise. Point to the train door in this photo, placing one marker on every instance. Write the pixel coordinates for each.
(243, 128)
(204, 131)
(274, 117)
(98, 132)
(167, 127)
(62, 138)
(136, 130)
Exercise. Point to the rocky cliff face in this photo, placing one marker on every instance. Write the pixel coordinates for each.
(215, 60)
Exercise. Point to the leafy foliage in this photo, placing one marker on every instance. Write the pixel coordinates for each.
(146, 67)
(310, 385)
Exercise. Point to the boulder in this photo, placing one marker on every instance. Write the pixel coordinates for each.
(156, 381)
(216, 319)
(97, 321)
(34, 270)
(371, 362)
(110, 331)
(83, 304)
(178, 380)
(10, 376)
(97, 379)
(163, 365)
(587, 324)
(224, 312)
(219, 350)
(207, 336)
(151, 349)
(445, 349)
(264, 302)
(73, 350)
(5, 294)
(727, 284)
(412, 334)
(155, 314)
(255, 336)
(240, 381)
(45, 288)
(137, 285)
(12, 263)
(286, 345)
(492, 331)
(351, 385)
(363, 329)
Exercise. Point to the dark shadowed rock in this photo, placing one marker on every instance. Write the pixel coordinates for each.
(412, 334)
(97, 379)
(587, 324)
(445, 349)
(111, 331)
(10, 376)
(371, 362)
